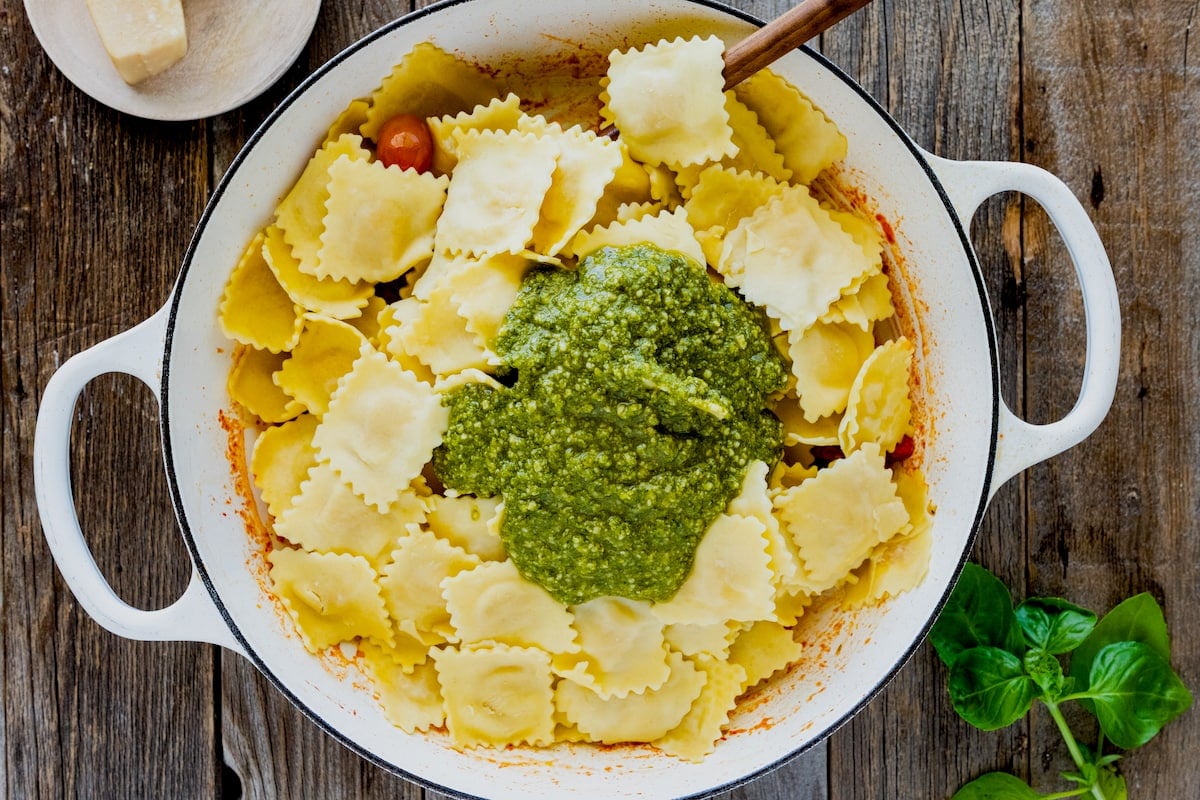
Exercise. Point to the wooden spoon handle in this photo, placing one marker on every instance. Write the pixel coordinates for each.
(784, 34)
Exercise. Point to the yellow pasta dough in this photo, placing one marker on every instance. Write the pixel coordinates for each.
(663, 119)
(280, 461)
(483, 292)
(826, 359)
(763, 649)
(466, 522)
(340, 299)
(622, 648)
(326, 350)
(328, 516)
(713, 638)
(630, 186)
(697, 734)
(755, 149)
(499, 184)
(251, 385)
(730, 580)
(368, 323)
(497, 695)
(406, 654)
(301, 215)
(754, 502)
(798, 430)
(837, 517)
(637, 717)
(255, 310)
(870, 302)
(792, 258)
(332, 597)
(435, 334)
(379, 221)
(808, 141)
(412, 582)
(381, 428)
(411, 700)
(721, 199)
(427, 82)
(586, 164)
(879, 407)
(349, 121)
(501, 114)
(375, 291)
(493, 603)
(395, 346)
(669, 230)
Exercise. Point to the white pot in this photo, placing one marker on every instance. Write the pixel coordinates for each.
(975, 443)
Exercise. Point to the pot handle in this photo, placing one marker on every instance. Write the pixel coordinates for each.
(194, 616)
(1019, 444)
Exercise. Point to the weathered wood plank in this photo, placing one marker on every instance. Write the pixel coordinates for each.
(87, 714)
(1106, 101)
(1110, 105)
(276, 752)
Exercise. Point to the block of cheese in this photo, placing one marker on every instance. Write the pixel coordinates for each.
(142, 37)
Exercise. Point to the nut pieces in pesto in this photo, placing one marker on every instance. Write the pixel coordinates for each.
(635, 398)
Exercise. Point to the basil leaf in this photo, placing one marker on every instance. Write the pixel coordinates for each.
(1053, 624)
(1135, 693)
(1046, 672)
(1112, 783)
(996, 786)
(989, 688)
(1101, 774)
(1138, 619)
(979, 613)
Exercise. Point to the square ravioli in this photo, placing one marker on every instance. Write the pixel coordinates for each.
(666, 99)
(374, 299)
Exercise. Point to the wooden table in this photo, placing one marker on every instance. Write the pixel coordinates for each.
(97, 209)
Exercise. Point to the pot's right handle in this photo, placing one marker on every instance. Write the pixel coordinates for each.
(194, 616)
(1021, 445)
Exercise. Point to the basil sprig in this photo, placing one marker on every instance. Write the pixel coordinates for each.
(1002, 659)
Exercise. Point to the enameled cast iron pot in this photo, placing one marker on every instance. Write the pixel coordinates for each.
(974, 442)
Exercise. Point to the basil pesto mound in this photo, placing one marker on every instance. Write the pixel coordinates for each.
(637, 400)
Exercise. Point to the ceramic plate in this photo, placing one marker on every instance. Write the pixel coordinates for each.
(225, 65)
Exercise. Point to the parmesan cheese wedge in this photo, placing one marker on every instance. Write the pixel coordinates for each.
(142, 37)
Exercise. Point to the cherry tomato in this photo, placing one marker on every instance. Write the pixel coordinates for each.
(404, 141)
(827, 453)
(903, 450)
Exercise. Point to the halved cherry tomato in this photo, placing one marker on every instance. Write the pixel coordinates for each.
(404, 141)
(827, 453)
(903, 449)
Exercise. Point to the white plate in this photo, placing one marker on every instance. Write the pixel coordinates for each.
(235, 51)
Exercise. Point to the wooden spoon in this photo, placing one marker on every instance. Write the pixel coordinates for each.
(777, 38)
(783, 35)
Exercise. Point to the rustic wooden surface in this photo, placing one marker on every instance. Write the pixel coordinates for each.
(96, 209)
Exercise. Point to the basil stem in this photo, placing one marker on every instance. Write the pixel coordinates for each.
(1072, 745)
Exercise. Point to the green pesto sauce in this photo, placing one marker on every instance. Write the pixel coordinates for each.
(637, 400)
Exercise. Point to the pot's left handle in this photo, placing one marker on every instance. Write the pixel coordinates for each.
(194, 616)
(1021, 444)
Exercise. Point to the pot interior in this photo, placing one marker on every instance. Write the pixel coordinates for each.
(849, 655)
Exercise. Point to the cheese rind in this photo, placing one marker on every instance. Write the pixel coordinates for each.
(142, 37)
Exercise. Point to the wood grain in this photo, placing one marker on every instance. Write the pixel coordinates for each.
(87, 714)
(1110, 104)
(96, 209)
